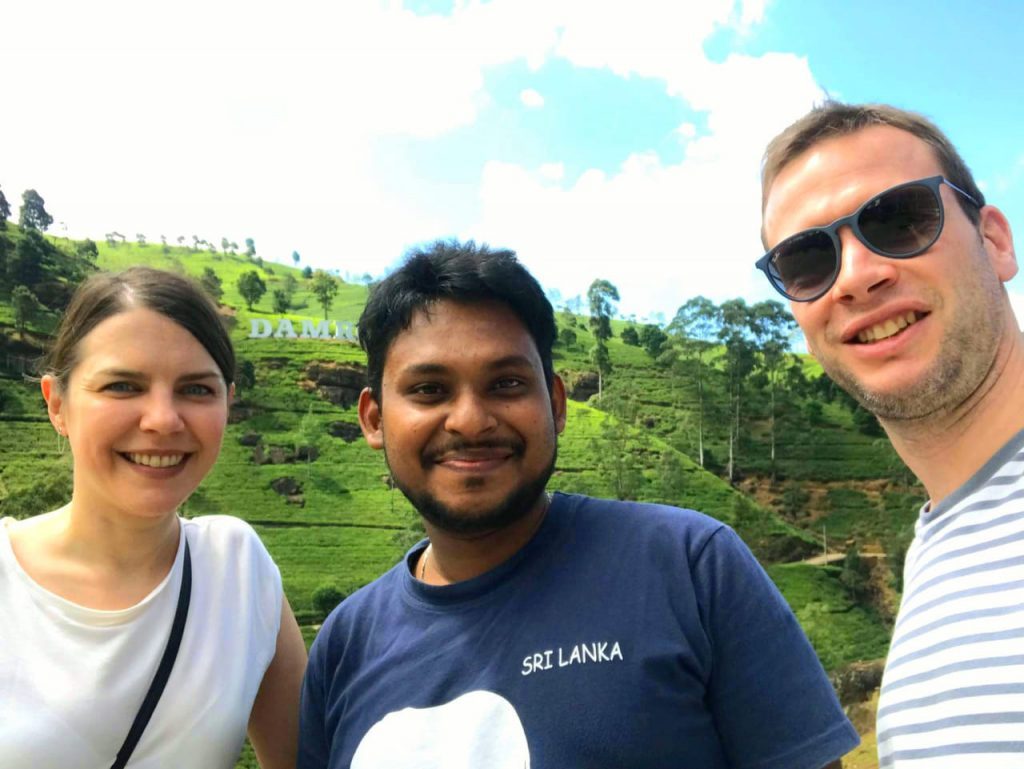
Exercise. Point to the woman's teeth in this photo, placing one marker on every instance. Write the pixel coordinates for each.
(156, 460)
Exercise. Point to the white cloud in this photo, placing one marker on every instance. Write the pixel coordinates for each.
(531, 98)
(245, 119)
(687, 130)
(660, 232)
(554, 172)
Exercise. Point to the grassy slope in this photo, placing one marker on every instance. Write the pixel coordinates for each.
(351, 526)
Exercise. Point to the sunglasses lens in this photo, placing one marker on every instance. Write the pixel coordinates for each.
(902, 222)
(804, 265)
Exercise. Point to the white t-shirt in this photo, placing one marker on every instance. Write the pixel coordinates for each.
(72, 678)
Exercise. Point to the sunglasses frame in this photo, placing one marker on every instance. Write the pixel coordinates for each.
(932, 183)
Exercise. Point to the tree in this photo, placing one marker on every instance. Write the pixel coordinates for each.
(324, 288)
(856, 576)
(140, 238)
(307, 272)
(601, 296)
(86, 251)
(245, 375)
(671, 478)
(5, 211)
(164, 248)
(695, 328)
(326, 597)
(281, 301)
(251, 287)
(250, 248)
(617, 463)
(211, 282)
(25, 308)
(630, 336)
(652, 339)
(735, 335)
(225, 244)
(603, 363)
(295, 258)
(291, 285)
(33, 211)
(567, 337)
(26, 264)
(772, 327)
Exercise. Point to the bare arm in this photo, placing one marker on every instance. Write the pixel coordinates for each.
(274, 723)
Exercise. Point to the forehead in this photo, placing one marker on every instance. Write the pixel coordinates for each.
(143, 340)
(834, 176)
(461, 335)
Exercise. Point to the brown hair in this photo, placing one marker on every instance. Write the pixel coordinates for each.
(107, 294)
(833, 119)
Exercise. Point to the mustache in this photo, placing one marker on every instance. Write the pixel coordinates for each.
(457, 445)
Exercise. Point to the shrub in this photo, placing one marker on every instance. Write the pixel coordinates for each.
(326, 597)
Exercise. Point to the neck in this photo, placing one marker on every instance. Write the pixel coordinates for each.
(116, 546)
(455, 558)
(945, 450)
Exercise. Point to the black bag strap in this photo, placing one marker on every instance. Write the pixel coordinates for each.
(163, 671)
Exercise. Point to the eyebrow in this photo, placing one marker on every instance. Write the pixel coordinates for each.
(509, 361)
(125, 373)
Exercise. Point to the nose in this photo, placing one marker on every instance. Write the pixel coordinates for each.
(470, 415)
(160, 413)
(862, 272)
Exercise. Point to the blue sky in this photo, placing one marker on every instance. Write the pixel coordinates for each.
(598, 140)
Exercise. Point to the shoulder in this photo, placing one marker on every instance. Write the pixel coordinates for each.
(220, 530)
(368, 607)
(228, 543)
(642, 521)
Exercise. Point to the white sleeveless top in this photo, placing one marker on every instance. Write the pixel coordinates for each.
(72, 678)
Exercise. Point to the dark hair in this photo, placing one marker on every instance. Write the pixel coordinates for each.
(107, 294)
(459, 272)
(833, 119)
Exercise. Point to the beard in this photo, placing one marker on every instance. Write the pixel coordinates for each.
(967, 353)
(515, 505)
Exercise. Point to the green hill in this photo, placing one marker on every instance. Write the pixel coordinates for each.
(335, 520)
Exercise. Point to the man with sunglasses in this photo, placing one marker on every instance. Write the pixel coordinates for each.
(894, 267)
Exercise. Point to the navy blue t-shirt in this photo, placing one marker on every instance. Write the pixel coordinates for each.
(622, 635)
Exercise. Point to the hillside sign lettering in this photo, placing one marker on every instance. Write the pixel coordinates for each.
(284, 328)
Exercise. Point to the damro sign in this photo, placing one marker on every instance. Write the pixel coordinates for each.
(284, 328)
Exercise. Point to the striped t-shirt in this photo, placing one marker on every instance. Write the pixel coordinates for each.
(953, 690)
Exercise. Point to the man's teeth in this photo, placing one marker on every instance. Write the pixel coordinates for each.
(887, 329)
(156, 460)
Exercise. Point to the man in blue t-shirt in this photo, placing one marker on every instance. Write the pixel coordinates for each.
(537, 630)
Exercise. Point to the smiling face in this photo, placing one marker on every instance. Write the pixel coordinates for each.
(908, 338)
(144, 410)
(465, 417)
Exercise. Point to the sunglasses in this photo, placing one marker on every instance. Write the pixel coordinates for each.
(901, 222)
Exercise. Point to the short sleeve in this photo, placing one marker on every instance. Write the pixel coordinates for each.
(771, 700)
(313, 749)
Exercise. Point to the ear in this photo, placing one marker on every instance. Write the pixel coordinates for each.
(231, 393)
(54, 402)
(558, 407)
(998, 241)
(370, 419)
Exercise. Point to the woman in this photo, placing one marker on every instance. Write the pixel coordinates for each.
(139, 380)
